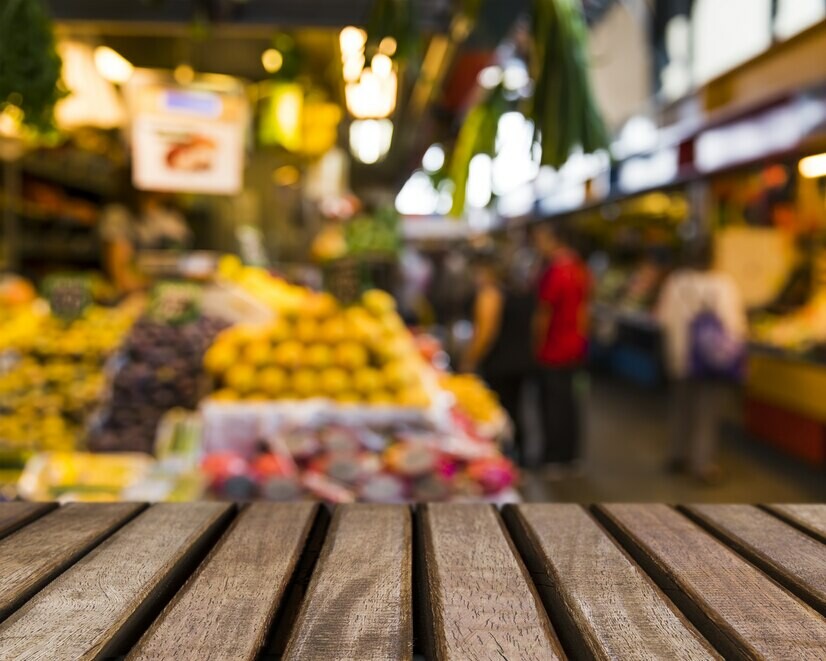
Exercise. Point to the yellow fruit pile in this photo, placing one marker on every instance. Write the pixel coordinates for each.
(18, 325)
(360, 354)
(94, 335)
(55, 378)
(473, 397)
(276, 293)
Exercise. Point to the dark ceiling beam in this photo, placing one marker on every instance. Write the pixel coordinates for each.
(433, 15)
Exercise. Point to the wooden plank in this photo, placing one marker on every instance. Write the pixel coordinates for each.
(99, 606)
(482, 603)
(792, 558)
(737, 608)
(33, 556)
(603, 605)
(16, 515)
(359, 604)
(811, 519)
(226, 608)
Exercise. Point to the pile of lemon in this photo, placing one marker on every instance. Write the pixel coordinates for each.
(274, 292)
(18, 325)
(360, 354)
(55, 377)
(473, 397)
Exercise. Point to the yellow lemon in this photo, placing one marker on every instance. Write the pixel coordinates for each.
(305, 383)
(367, 380)
(288, 354)
(306, 330)
(351, 355)
(318, 356)
(240, 378)
(272, 381)
(378, 302)
(258, 352)
(334, 381)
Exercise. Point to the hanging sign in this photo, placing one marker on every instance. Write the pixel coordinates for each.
(188, 141)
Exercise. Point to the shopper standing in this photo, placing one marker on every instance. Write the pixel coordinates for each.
(560, 340)
(704, 325)
(498, 351)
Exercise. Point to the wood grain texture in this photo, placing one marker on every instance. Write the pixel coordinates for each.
(809, 518)
(226, 608)
(603, 604)
(359, 603)
(90, 611)
(483, 604)
(738, 608)
(16, 515)
(34, 555)
(789, 556)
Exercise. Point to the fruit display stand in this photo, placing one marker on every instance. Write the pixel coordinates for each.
(784, 403)
(336, 402)
(297, 397)
(52, 376)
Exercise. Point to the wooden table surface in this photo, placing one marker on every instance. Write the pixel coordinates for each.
(300, 581)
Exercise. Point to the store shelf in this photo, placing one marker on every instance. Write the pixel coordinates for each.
(88, 175)
(791, 383)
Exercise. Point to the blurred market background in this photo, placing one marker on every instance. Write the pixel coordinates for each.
(321, 177)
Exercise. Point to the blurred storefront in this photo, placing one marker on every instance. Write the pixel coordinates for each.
(236, 243)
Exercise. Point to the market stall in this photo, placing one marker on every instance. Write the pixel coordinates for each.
(243, 387)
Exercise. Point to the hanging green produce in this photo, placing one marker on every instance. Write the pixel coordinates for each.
(394, 20)
(564, 110)
(29, 64)
(477, 136)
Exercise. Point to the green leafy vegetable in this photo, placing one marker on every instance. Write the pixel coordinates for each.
(397, 19)
(29, 64)
(477, 136)
(564, 110)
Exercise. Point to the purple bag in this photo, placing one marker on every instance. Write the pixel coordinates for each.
(713, 352)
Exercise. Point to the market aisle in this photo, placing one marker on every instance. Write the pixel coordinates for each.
(625, 454)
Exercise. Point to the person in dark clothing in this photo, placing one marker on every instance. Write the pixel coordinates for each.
(499, 351)
(560, 341)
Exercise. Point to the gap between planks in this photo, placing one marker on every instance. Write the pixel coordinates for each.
(601, 602)
(727, 598)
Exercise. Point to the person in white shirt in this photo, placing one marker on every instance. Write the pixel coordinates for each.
(697, 402)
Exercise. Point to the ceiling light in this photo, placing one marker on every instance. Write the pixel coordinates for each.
(370, 139)
(515, 76)
(434, 158)
(352, 40)
(812, 167)
(387, 46)
(381, 65)
(490, 77)
(372, 97)
(272, 60)
(479, 181)
(112, 66)
(352, 68)
(184, 74)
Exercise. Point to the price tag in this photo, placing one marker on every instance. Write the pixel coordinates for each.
(68, 295)
(175, 303)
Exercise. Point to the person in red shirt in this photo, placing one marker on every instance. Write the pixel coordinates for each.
(561, 344)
